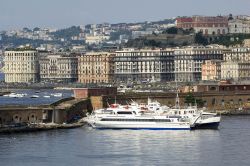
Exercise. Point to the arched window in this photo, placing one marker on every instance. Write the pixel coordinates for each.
(218, 31)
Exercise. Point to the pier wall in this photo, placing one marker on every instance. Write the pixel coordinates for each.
(65, 111)
(20, 115)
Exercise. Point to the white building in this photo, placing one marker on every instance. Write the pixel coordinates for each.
(188, 62)
(96, 39)
(239, 26)
(238, 71)
(237, 54)
(21, 65)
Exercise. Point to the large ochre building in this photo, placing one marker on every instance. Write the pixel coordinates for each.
(95, 67)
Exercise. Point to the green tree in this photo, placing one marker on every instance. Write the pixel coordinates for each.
(190, 99)
(172, 30)
(200, 39)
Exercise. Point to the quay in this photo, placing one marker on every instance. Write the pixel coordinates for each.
(38, 127)
(62, 114)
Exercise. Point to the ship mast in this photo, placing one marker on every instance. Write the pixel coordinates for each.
(177, 100)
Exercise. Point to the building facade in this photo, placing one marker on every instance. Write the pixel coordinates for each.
(246, 43)
(95, 67)
(58, 68)
(237, 54)
(208, 25)
(211, 70)
(239, 26)
(188, 62)
(235, 70)
(132, 65)
(21, 66)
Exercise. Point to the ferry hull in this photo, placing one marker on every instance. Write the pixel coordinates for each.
(208, 123)
(214, 125)
(138, 126)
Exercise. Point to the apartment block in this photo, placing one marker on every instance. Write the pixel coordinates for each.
(95, 67)
(237, 54)
(188, 62)
(58, 68)
(238, 71)
(211, 70)
(21, 65)
(131, 65)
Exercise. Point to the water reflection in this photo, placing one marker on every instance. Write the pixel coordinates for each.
(86, 146)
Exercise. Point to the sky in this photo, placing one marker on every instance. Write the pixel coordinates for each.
(16, 14)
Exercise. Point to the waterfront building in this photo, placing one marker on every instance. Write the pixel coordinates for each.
(237, 54)
(238, 71)
(188, 62)
(21, 65)
(95, 67)
(208, 25)
(58, 68)
(147, 65)
(211, 70)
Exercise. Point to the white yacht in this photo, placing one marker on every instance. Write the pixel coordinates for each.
(34, 96)
(15, 95)
(57, 94)
(125, 117)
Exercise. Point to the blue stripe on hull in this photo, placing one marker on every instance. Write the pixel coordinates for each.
(214, 125)
(143, 128)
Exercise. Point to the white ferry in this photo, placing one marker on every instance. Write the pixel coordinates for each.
(119, 117)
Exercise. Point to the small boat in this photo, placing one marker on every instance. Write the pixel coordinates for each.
(57, 95)
(15, 95)
(34, 96)
(46, 96)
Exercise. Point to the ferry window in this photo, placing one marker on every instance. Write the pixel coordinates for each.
(124, 112)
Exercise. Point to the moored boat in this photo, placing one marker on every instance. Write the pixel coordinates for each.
(128, 118)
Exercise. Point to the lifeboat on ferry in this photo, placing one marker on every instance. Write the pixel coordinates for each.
(114, 105)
